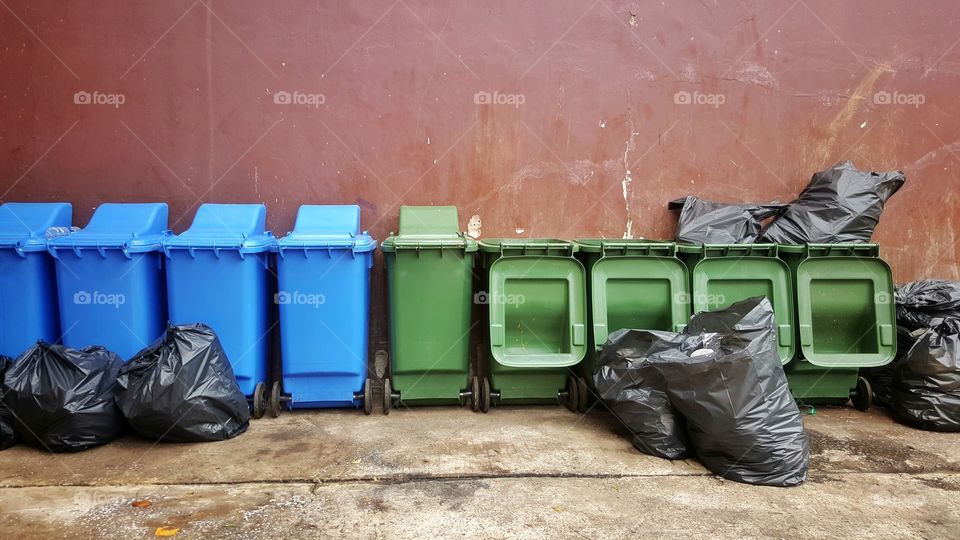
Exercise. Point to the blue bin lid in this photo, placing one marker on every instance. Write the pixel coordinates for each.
(132, 227)
(237, 227)
(328, 226)
(23, 226)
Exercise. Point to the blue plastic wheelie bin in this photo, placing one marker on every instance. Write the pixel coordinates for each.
(219, 274)
(110, 278)
(323, 269)
(28, 281)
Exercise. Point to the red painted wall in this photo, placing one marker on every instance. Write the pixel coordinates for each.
(596, 148)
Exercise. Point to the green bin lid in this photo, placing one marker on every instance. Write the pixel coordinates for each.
(429, 227)
(632, 247)
(525, 246)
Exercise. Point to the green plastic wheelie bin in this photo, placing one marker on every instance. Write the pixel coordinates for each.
(430, 280)
(846, 320)
(638, 284)
(723, 274)
(536, 322)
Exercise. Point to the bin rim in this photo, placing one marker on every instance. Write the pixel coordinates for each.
(259, 243)
(600, 245)
(398, 242)
(127, 242)
(359, 243)
(496, 245)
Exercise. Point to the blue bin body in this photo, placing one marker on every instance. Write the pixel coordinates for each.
(110, 278)
(218, 273)
(28, 281)
(324, 295)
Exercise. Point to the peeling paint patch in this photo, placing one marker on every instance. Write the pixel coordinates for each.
(577, 172)
(473, 226)
(519, 230)
(753, 73)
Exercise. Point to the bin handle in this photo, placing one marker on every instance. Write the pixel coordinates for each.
(743, 250)
(668, 249)
(526, 246)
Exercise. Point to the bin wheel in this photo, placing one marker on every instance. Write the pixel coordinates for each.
(367, 397)
(485, 392)
(475, 396)
(573, 394)
(387, 396)
(862, 396)
(583, 393)
(273, 406)
(259, 400)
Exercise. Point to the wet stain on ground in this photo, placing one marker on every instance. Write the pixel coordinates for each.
(877, 454)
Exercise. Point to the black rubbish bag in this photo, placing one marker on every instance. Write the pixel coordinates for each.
(633, 390)
(182, 389)
(63, 399)
(926, 384)
(840, 205)
(8, 435)
(881, 377)
(707, 222)
(920, 302)
(728, 383)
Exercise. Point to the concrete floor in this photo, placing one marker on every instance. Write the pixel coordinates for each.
(516, 472)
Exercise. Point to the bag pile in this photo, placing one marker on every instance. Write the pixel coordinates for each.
(182, 389)
(925, 389)
(62, 399)
(717, 389)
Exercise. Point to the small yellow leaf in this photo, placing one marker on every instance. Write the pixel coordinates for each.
(141, 503)
(558, 509)
(357, 461)
(166, 532)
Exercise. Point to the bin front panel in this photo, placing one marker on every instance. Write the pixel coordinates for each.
(231, 295)
(537, 311)
(721, 281)
(846, 312)
(111, 299)
(638, 292)
(430, 293)
(324, 298)
(28, 301)
(528, 385)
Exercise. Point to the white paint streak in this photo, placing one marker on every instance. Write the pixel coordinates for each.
(627, 182)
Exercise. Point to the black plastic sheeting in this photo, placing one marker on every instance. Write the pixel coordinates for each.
(840, 205)
(723, 377)
(182, 389)
(708, 222)
(926, 384)
(8, 435)
(920, 302)
(63, 399)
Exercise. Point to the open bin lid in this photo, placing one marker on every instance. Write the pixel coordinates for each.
(23, 226)
(132, 227)
(650, 279)
(845, 306)
(517, 294)
(728, 273)
(429, 227)
(238, 227)
(328, 227)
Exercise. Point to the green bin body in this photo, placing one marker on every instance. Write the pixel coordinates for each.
(723, 274)
(536, 315)
(637, 284)
(430, 278)
(846, 318)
